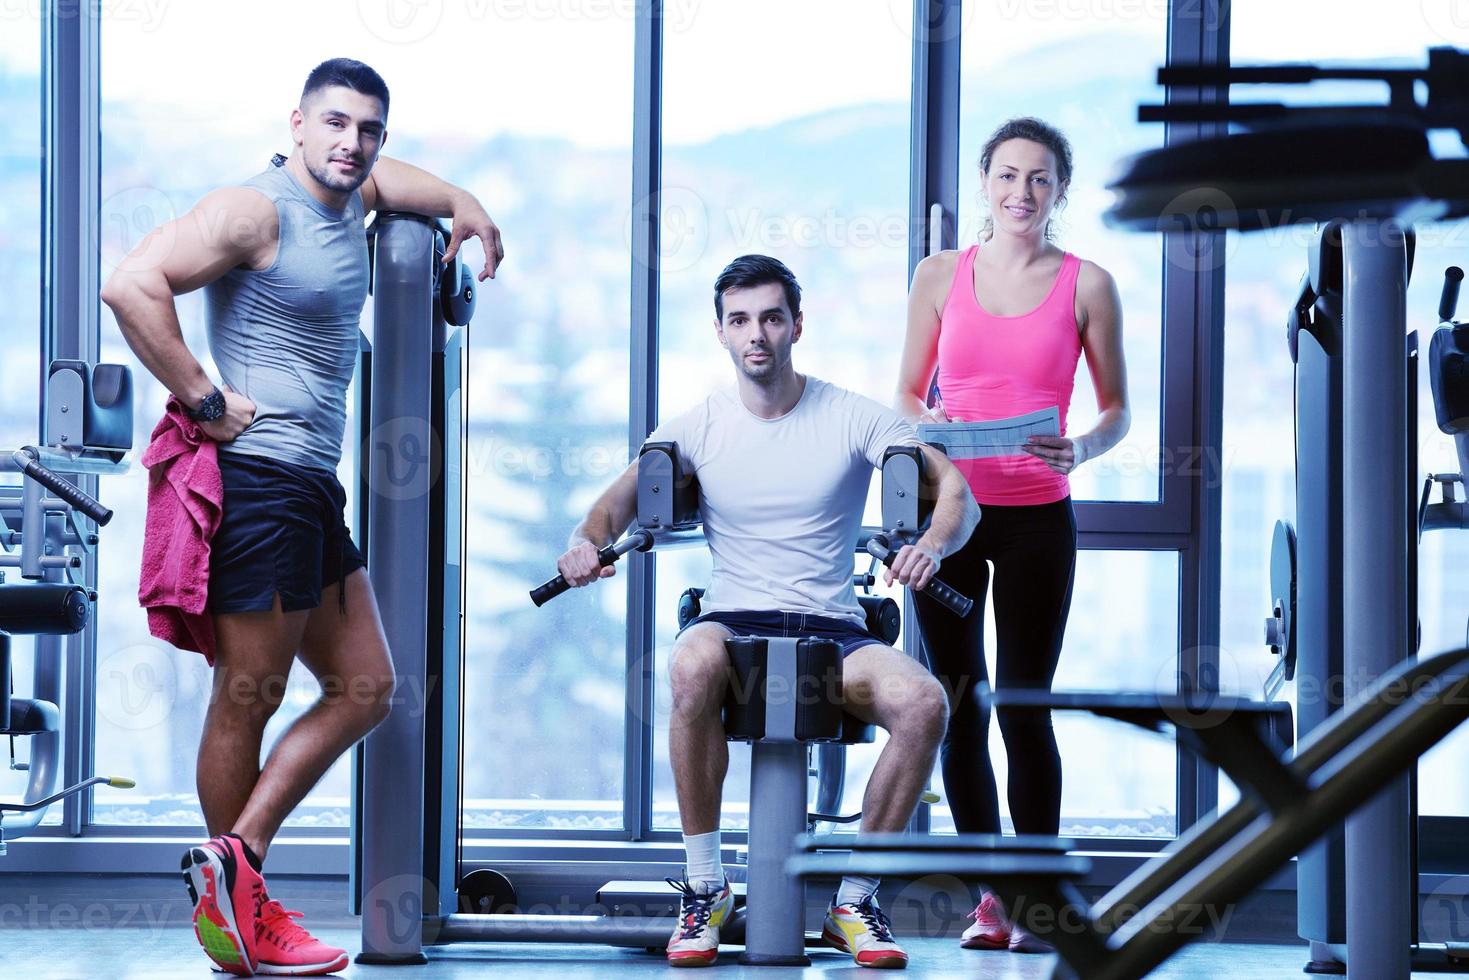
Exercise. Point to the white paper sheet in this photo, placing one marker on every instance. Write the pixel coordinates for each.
(998, 437)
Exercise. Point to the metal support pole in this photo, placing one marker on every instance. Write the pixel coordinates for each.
(1378, 622)
(393, 776)
(775, 902)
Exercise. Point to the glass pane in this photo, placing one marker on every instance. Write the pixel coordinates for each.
(21, 160)
(1035, 60)
(1262, 282)
(1263, 275)
(808, 164)
(20, 231)
(1137, 651)
(552, 167)
(548, 416)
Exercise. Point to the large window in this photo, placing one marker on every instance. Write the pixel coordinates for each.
(20, 230)
(546, 399)
(785, 131)
(1124, 643)
(548, 413)
(1264, 271)
(807, 162)
(21, 160)
(1036, 59)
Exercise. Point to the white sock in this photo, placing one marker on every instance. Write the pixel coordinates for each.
(705, 872)
(854, 888)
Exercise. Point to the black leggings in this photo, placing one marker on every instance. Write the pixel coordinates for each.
(1033, 549)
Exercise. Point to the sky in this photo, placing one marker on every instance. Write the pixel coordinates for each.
(479, 68)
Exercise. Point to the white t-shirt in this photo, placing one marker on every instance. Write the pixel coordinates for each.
(782, 499)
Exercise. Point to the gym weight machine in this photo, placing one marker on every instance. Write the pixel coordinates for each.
(88, 431)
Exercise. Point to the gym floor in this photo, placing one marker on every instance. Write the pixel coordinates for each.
(172, 954)
(113, 927)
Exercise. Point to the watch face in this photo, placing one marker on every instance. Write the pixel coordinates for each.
(211, 408)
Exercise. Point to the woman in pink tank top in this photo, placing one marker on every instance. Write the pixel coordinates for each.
(1003, 324)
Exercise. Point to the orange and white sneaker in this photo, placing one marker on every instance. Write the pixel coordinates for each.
(284, 949)
(991, 930)
(863, 930)
(227, 894)
(695, 941)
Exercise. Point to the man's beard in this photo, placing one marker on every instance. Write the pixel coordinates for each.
(331, 181)
(761, 374)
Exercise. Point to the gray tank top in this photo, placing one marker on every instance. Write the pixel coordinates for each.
(286, 336)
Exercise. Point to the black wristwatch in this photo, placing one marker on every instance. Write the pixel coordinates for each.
(210, 409)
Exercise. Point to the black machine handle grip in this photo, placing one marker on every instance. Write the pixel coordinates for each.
(1449, 301)
(639, 540)
(27, 463)
(880, 547)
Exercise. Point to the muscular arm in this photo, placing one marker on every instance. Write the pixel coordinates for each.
(397, 186)
(228, 228)
(604, 523)
(955, 513)
(612, 512)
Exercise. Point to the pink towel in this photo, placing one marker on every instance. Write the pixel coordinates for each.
(185, 504)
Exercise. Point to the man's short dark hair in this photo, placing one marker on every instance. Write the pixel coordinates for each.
(348, 74)
(757, 270)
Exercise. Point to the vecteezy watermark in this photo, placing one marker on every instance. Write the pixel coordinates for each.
(938, 905)
(686, 225)
(137, 686)
(33, 912)
(942, 20)
(680, 226)
(1101, 12)
(403, 457)
(401, 21)
(392, 910)
(568, 460)
(412, 21)
(1207, 678)
(751, 229)
(933, 906)
(1449, 19)
(1445, 916)
(126, 220)
(148, 14)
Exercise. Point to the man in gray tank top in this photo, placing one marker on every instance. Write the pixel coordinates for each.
(283, 261)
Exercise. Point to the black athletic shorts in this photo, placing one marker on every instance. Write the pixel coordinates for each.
(282, 531)
(849, 636)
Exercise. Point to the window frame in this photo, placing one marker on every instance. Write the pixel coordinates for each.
(1186, 518)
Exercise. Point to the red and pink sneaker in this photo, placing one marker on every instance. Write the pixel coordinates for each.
(284, 949)
(991, 930)
(227, 894)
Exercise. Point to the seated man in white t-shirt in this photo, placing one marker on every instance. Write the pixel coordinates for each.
(784, 463)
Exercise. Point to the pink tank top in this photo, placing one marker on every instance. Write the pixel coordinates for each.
(994, 367)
